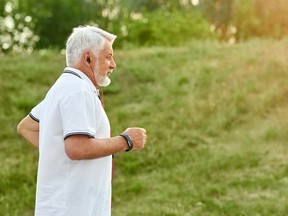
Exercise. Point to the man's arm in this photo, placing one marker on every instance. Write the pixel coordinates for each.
(29, 129)
(81, 147)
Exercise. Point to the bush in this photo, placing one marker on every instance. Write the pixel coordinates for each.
(165, 28)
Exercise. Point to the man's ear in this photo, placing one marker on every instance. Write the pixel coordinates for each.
(87, 58)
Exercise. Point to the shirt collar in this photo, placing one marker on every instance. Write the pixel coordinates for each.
(81, 75)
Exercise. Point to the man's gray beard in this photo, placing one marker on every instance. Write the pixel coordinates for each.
(102, 80)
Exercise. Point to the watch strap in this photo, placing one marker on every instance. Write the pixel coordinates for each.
(128, 140)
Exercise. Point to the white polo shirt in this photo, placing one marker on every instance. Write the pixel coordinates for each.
(71, 187)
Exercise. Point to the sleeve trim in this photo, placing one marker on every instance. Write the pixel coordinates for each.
(79, 133)
(33, 117)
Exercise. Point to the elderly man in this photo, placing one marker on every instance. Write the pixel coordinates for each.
(72, 131)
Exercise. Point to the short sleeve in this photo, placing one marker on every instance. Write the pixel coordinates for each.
(78, 114)
(36, 111)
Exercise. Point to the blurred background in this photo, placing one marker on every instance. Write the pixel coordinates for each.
(33, 24)
(208, 79)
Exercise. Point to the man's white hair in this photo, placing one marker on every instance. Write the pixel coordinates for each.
(86, 38)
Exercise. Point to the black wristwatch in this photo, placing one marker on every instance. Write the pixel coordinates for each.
(128, 140)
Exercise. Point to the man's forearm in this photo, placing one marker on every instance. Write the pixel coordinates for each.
(80, 147)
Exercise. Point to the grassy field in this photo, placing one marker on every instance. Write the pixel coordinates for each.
(217, 123)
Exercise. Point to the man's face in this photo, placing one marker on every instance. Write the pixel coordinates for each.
(104, 65)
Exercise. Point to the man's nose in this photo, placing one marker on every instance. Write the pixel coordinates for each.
(113, 64)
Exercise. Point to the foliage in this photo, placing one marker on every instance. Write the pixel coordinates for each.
(260, 18)
(245, 20)
(254, 18)
(215, 117)
(47, 23)
(16, 28)
(52, 21)
(219, 13)
(166, 28)
(155, 5)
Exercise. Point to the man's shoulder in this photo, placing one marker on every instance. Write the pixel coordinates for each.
(70, 83)
(66, 86)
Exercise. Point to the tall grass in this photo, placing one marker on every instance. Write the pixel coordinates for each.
(216, 120)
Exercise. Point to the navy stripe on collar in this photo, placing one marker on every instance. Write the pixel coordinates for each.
(72, 72)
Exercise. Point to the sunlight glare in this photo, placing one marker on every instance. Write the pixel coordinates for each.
(195, 2)
(28, 19)
(8, 7)
(9, 22)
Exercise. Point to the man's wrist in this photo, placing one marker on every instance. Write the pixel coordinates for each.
(128, 140)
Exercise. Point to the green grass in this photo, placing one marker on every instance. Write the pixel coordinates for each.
(216, 117)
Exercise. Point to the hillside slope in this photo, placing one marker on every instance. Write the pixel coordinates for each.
(216, 119)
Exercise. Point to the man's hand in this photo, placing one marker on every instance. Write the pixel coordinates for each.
(138, 136)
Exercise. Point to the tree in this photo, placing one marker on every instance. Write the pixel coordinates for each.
(219, 13)
(16, 27)
(145, 22)
(260, 18)
(54, 19)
